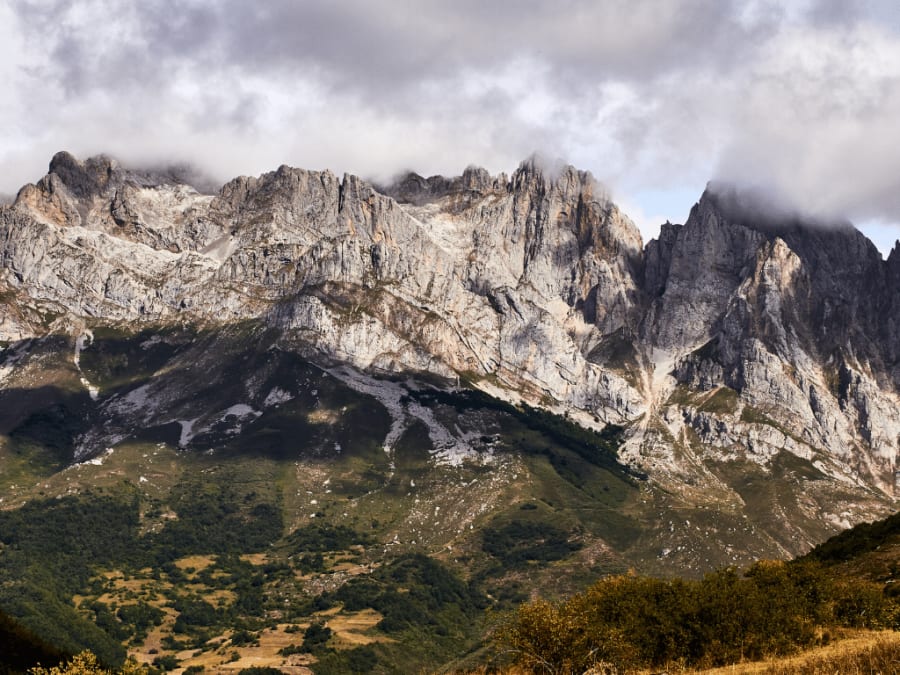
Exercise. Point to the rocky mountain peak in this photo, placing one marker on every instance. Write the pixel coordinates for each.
(411, 188)
(83, 179)
(474, 183)
(895, 251)
(817, 240)
(539, 174)
(692, 271)
(99, 174)
(477, 179)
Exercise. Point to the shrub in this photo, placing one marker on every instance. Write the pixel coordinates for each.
(167, 662)
(316, 637)
(773, 608)
(519, 541)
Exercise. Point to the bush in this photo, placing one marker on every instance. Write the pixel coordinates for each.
(774, 608)
(86, 663)
(167, 662)
(140, 615)
(358, 660)
(520, 541)
(311, 562)
(316, 638)
(241, 638)
(861, 604)
(322, 537)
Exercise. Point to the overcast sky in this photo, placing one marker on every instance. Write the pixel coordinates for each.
(655, 98)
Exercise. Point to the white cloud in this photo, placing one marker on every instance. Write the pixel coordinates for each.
(659, 95)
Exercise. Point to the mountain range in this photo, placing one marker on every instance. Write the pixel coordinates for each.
(370, 411)
(726, 392)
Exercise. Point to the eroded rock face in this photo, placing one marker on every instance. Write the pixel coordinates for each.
(731, 337)
(797, 320)
(470, 275)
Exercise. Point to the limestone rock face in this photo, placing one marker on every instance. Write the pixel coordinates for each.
(517, 279)
(797, 321)
(740, 336)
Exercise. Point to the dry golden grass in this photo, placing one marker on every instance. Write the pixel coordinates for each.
(349, 632)
(218, 663)
(486, 670)
(349, 629)
(255, 558)
(150, 590)
(198, 562)
(860, 653)
(221, 597)
(271, 641)
(869, 652)
(350, 567)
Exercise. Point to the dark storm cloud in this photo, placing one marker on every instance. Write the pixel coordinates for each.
(378, 48)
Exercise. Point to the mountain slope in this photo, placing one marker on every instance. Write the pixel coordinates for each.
(489, 370)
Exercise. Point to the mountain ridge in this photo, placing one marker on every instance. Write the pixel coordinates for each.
(723, 343)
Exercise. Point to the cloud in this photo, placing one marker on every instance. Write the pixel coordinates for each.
(653, 96)
(818, 121)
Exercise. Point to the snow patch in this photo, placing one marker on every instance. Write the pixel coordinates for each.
(387, 393)
(13, 358)
(98, 460)
(93, 391)
(240, 410)
(134, 400)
